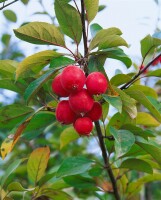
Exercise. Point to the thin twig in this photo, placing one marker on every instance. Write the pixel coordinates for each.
(128, 84)
(106, 160)
(4, 6)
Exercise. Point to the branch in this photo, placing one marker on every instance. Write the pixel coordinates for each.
(128, 84)
(106, 160)
(84, 28)
(4, 6)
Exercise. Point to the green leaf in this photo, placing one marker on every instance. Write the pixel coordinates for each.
(112, 41)
(154, 151)
(141, 98)
(148, 91)
(114, 101)
(96, 64)
(37, 163)
(61, 61)
(37, 125)
(120, 79)
(69, 20)
(25, 2)
(9, 85)
(129, 104)
(35, 86)
(34, 63)
(67, 136)
(95, 28)
(74, 165)
(124, 140)
(138, 131)
(101, 7)
(133, 187)
(91, 9)
(105, 109)
(13, 114)
(155, 103)
(15, 186)
(6, 39)
(10, 15)
(40, 33)
(81, 183)
(156, 73)
(7, 68)
(102, 34)
(13, 166)
(56, 194)
(137, 164)
(115, 53)
(148, 44)
(146, 119)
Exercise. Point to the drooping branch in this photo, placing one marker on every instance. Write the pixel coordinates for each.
(106, 160)
(4, 6)
(128, 84)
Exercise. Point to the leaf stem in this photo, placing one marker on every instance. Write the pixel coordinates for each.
(106, 160)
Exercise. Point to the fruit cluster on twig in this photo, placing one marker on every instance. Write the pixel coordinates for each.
(79, 108)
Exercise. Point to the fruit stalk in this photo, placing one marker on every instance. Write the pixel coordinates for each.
(106, 160)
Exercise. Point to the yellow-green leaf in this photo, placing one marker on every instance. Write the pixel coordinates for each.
(40, 33)
(37, 163)
(34, 63)
(7, 68)
(99, 37)
(68, 135)
(91, 9)
(146, 119)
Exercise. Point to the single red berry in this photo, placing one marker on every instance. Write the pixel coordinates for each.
(95, 113)
(73, 79)
(58, 88)
(81, 102)
(83, 126)
(96, 83)
(64, 113)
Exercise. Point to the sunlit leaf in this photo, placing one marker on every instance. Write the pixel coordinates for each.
(120, 79)
(91, 9)
(141, 98)
(100, 36)
(7, 68)
(68, 135)
(146, 119)
(16, 186)
(34, 63)
(37, 163)
(156, 73)
(40, 33)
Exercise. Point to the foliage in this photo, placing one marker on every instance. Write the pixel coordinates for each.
(43, 159)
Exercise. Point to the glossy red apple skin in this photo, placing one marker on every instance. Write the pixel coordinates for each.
(73, 79)
(57, 87)
(64, 113)
(96, 83)
(95, 113)
(81, 102)
(83, 126)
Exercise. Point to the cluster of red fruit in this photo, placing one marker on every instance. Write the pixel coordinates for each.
(79, 108)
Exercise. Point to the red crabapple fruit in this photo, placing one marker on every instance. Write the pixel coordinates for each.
(81, 102)
(96, 83)
(58, 88)
(95, 113)
(73, 78)
(83, 126)
(64, 113)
